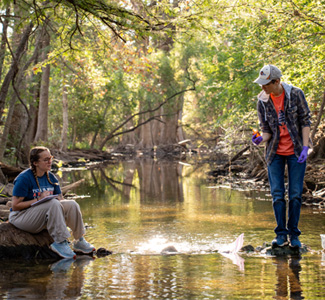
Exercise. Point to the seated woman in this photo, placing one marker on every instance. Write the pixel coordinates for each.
(55, 215)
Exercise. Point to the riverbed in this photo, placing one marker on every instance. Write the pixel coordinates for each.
(138, 208)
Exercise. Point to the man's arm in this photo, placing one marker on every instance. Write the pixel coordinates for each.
(266, 136)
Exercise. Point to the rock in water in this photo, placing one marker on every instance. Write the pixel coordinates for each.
(247, 249)
(286, 250)
(169, 250)
(102, 252)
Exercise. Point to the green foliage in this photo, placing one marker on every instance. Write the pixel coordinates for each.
(3, 195)
(241, 42)
(112, 58)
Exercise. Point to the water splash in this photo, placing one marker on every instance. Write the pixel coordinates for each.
(233, 247)
(158, 243)
(231, 251)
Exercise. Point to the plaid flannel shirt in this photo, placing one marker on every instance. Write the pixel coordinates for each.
(297, 116)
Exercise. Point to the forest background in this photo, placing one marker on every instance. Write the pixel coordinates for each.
(106, 74)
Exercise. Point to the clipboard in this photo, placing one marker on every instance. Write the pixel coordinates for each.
(45, 199)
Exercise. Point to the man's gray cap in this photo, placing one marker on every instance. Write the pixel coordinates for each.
(267, 74)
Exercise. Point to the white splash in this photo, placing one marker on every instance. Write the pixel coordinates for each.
(233, 247)
(231, 251)
(157, 244)
(154, 245)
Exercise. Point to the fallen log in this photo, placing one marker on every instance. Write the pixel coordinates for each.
(16, 243)
(239, 154)
(9, 171)
(68, 187)
(78, 157)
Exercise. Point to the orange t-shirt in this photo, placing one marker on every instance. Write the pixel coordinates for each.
(285, 146)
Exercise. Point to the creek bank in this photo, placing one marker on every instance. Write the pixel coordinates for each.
(69, 159)
(247, 170)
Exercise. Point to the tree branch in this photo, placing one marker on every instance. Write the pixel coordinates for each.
(140, 124)
(112, 133)
(14, 66)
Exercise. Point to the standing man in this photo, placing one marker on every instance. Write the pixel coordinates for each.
(284, 119)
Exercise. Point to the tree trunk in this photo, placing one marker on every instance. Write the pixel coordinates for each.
(129, 138)
(93, 141)
(3, 44)
(7, 126)
(14, 67)
(180, 131)
(15, 125)
(169, 126)
(146, 140)
(34, 91)
(42, 122)
(29, 109)
(65, 125)
(33, 112)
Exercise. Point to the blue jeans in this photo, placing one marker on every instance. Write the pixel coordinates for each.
(296, 173)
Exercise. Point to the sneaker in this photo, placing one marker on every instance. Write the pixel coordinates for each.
(294, 241)
(83, 246)
(280, 241)
(63, 249)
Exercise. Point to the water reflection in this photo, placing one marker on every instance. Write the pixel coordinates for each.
(236, 259)
(63, 279)
(137, 208)
(159, 181)
(288, 271)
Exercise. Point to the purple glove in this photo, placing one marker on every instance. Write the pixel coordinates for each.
(257, 139)
(303, 155)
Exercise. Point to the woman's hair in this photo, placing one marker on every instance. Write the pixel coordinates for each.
(34, 156)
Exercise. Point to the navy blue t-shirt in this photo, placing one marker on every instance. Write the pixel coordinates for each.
(25, 185)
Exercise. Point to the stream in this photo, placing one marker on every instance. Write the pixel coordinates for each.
(138, 208)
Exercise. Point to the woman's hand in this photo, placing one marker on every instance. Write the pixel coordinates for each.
(43, 195)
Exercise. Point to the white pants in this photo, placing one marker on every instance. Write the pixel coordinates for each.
(53, 215)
